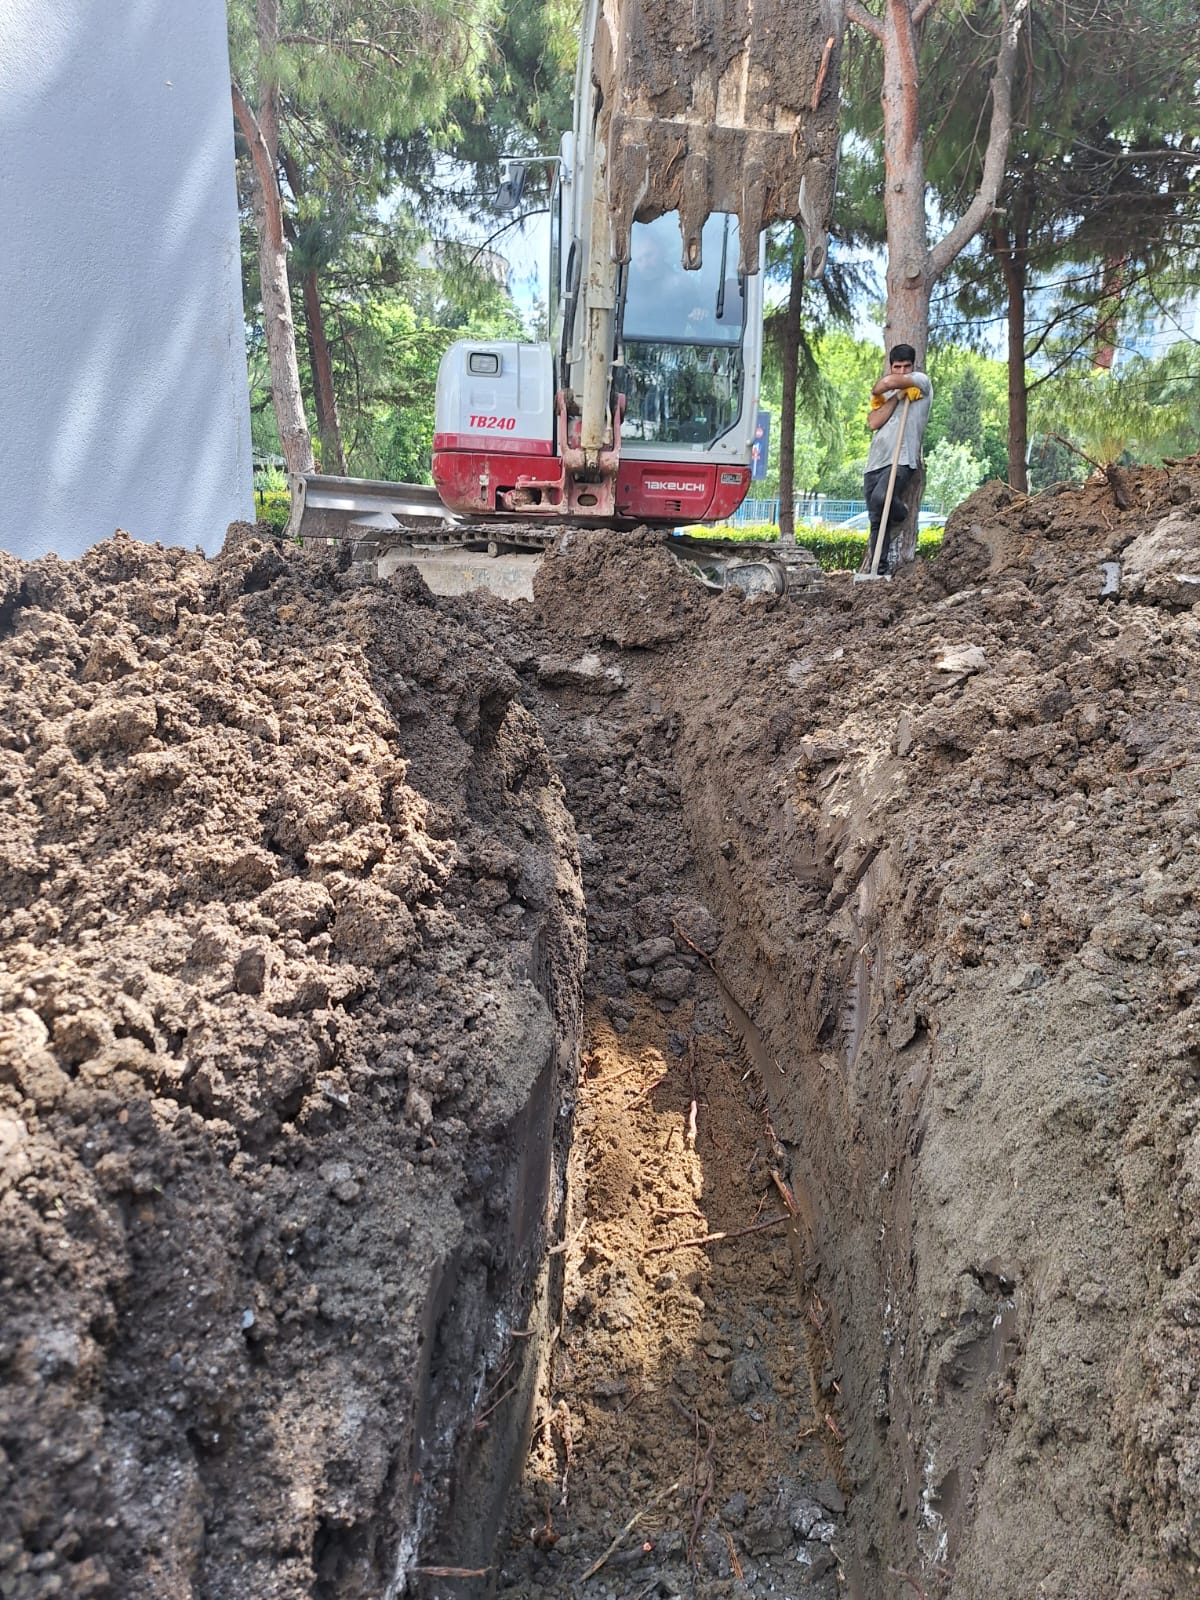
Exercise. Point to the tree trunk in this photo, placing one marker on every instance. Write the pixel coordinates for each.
(1012, 251)
(906, 316)
(261, 133)
(333, 456)
(913, 266)
(790, 363)
(286, 396)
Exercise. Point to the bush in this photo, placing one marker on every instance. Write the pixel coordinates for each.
(273, 506)
(835, 550)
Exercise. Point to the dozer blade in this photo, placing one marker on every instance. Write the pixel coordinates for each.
(722, 105)
(325, 507)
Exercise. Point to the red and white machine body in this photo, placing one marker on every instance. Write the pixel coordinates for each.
(506, 444)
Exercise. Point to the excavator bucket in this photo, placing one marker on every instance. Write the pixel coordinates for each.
(723, 105)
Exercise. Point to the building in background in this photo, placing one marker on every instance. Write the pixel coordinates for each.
(124, 401)
(1172, 325)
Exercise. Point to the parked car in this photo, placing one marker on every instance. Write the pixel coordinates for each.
(862, 522)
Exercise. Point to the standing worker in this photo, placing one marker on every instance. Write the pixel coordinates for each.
(890, 450)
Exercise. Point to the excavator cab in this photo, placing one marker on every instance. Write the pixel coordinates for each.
(681, 356)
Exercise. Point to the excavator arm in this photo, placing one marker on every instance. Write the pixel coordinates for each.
(723, 106)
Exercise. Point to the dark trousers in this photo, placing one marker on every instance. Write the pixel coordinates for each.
(875, 491)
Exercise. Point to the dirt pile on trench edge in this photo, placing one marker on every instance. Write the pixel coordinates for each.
(293, 930)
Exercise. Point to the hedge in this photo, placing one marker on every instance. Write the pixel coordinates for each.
(835, 550)
(273, 506)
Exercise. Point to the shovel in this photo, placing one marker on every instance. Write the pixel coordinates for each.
(866, 577)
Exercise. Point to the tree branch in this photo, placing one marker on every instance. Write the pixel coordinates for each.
(857, 12)
(264, 167)
(973, 218)
(346, 46)
(1082, 454)
(921, 10)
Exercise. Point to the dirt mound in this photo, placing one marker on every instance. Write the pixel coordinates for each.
(628, 593)
(293, 930)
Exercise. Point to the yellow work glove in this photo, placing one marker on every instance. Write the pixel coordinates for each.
(911, 393)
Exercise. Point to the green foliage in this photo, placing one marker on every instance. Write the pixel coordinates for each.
(964, 418)
(1097, 215)
(1111, 418)
(845, 481)
(849, 366)
(1173, 384)
(835, 550)
(993, 452)
(970, 391)
(1050, 461)
(264, 428)
(400, 346)
(952, 472)
(969, 397)
(270, 480)
(272, 506)
(374, 95)
(362, 66)
(792, 331)
(527, 83)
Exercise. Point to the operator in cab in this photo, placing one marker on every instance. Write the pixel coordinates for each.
(890, 447)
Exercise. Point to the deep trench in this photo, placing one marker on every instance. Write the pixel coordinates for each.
(688, 1433)
(849, 930)
(891, 980)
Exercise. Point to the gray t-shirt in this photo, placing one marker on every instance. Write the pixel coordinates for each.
(883, 440)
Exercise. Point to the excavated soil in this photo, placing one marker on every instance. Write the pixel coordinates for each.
(290, 996)
(877, 1270)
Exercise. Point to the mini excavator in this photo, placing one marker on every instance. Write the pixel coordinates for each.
(693, 131)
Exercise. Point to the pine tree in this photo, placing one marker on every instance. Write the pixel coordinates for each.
(964, 421)
(317, 83)
(1100, 202)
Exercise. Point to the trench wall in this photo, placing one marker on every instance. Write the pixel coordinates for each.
(979, 1284)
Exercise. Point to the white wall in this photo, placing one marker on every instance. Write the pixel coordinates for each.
(123, 396)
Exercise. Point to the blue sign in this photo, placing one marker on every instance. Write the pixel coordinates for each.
(760, 450)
